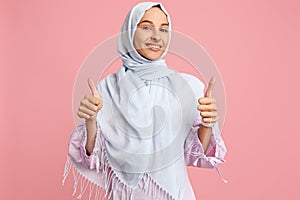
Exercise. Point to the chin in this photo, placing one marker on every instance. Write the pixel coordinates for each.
(153, 56)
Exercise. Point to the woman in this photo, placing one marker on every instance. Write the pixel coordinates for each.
(142, 127)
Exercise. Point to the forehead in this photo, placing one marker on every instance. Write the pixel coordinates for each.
(155, 15)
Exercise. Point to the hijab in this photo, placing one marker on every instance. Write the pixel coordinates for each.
(144, 126)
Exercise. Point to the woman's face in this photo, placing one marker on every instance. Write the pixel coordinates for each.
(151, 36)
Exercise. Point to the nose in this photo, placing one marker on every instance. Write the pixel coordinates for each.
(156, 35)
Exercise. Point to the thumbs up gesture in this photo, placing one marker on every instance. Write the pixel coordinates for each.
(207, 105)
(91, 103)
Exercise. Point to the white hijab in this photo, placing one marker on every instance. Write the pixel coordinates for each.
(145, 126)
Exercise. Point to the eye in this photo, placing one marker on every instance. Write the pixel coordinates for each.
(164, 30)
(148, 28)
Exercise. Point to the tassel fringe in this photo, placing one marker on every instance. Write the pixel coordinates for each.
(111, 181)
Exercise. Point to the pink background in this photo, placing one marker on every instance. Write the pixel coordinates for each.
(255, 45)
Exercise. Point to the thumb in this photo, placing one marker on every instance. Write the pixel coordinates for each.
(93, 89)
(210, 87)
(92, 86)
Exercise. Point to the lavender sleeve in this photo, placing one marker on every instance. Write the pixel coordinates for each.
(194, 153)
(77, 150)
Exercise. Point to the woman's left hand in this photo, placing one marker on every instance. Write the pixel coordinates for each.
(207, 105)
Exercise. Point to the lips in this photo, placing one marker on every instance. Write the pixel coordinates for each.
(153, 47)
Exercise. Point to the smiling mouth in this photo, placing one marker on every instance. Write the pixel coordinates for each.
(154, 47)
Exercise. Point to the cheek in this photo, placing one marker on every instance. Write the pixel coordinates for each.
(139, 38)
(165, 39)
(136, 43)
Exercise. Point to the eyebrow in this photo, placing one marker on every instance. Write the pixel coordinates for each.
(163, 24)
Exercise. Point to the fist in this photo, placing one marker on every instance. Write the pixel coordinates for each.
(90, 104)
(207, 105)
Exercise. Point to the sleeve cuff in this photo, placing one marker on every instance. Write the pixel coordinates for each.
(92, 160)
(194, 153)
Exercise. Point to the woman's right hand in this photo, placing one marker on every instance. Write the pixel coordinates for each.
(90, 104)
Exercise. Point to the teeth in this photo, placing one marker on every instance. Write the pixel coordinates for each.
(153, 46)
